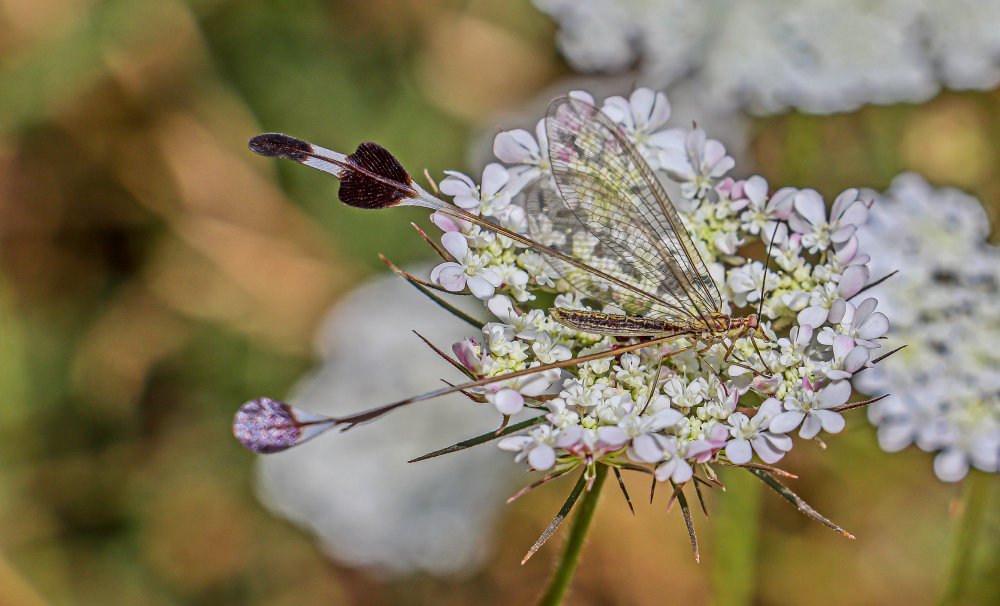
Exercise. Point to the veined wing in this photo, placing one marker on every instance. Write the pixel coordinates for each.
(553, 224)
(603, 181)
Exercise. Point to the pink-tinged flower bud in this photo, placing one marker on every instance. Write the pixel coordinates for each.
(266, 426)
(766, 385)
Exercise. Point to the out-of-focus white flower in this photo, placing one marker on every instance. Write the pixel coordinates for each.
(384, 513)
(945, 386)
(815, 55)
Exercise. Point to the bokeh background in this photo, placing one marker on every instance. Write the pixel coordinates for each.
(154, 274)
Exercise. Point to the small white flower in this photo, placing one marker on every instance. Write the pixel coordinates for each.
(809, 218)
(824, 297)
(580, 396)
(811, 409)
(761, 211)
(862, 323)
(641, 116)
(752, 432)
(537, 447)
(548, 351)
(684, 394)
(793, 348)
(526, 326)
(848, 358)
(670, 453)
(746, 281)
(491, 198)
(695, 161)
(468, 269)
(528, 154)
(508, 396)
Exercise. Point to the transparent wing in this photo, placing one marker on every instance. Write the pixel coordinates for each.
(552, 223)
(624, 221)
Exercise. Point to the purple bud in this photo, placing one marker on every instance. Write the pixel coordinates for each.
(265, 425)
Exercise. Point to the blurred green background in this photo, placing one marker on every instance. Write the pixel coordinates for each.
(154, 274)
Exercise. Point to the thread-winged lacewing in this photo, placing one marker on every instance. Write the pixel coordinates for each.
(641, 258)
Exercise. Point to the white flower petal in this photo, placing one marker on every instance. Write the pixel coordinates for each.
(456, 244)
(856, 360)
(767, 411)
(786, 421)
(646, 449)
(451, 276)
(951, 465)
(542, 457)
(766, 451)
(494, 178)
(611, 435)
(738, 451)
(508, 401)
(457, 184)
(810, 427)
(832, 422)
(515, 146)
(838, 311)
(480, 287)
(515, 443)
(842, 345)
(814, 316)
(874, 327)
(835, 394)
(682, 472)
(809, 204)
(501, 307)
(853, 280)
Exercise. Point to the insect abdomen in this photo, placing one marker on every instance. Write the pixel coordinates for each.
(613, 324)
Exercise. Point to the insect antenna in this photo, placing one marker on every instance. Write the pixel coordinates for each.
(763, 289)
(767, 263)
(652, 389)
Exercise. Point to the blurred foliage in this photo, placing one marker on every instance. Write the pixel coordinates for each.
(155, 274)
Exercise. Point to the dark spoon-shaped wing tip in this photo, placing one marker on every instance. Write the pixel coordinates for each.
(277, 145)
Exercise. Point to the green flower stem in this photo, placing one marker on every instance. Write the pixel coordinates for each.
(972, 528)
(735, 536)
(559, 582)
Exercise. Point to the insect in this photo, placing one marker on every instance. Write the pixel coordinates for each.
(604, 223)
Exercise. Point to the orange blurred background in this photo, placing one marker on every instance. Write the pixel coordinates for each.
(154, 274)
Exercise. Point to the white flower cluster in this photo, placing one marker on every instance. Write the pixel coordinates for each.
(668, 406)
(816, 55)
(945, 303)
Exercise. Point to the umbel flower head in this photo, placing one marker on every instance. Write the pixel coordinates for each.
(945, 387)
(626, 331)
(815, 55)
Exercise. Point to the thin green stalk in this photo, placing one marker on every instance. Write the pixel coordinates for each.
(559, 582)
(735, 537)
(970, 530)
